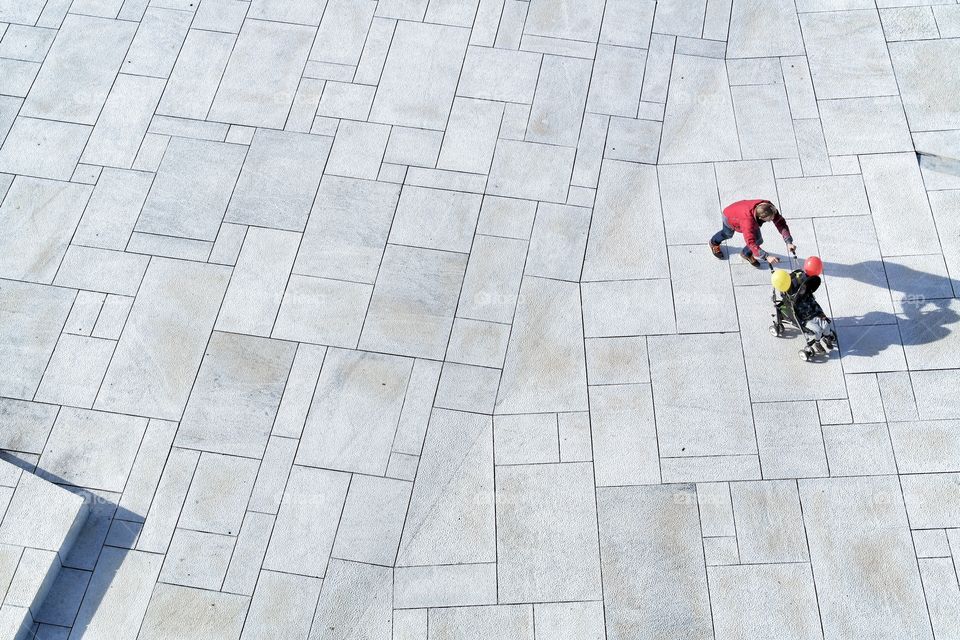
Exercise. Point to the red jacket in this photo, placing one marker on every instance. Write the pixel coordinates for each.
(740, 217)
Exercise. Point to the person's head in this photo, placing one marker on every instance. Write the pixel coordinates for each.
(765, 211)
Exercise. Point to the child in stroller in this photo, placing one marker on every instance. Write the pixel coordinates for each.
(797, 306)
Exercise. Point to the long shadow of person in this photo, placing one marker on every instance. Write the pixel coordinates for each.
(924, 301)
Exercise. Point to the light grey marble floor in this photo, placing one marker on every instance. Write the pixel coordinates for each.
(395, 319)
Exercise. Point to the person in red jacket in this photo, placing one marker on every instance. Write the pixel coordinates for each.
(746, 216)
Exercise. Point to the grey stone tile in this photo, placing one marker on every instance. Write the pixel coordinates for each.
(451, 514)
(680, 18)
(343, 29)
(685, 387)
(118, 594)
(40, 516)
(624, 435)
(193, 185)
(355, 411)
(699, 124)
(932, 500)
(909, 23)
(720, 551)
(492, 280)
(356, 597)
(627, 198)
(753, 602)
(790, 440)
(298, 393)
(510, 622)
(650, 546)
(702, 294)
(763, 121)
(557, 110)
(307, 523)
(375, 50)
(281, 606)
(358, 150)
(843, 517)
(617, 360)
(84, 313)
(196, 76)
(372, 520)
(769, 522)
(586, 168)
(865, 125)
(565, 19)
(545, 369)
(219, 494)
(272, 478)
(248, 553)
(257, 285)
(894, 184)
(415, 147)
(471, 135)
(101, 270)
(147, 468)
(420, 75)
(479, 343)
(26, 425)
(75, 371)
(716, 509)
(43, 148)
(752, 20)
(570, 620)
(197, 559)
(617, 81)
(633, 140)
(347, 230)
(435, 219)
(123, 122)
(507, 217)
(531, 170)
(154, 50)
(177, 612)
(618, 308)
(526, 439)
(847, 53)
(940, 589)
(26, 12)
(896, 391)
(690, 202)
(930, 104)
(113, 208)
(161, 520)
(261, 79)
(62, 602)
(279, 180)
(236, 395)
(933, 391)
(411, 311)
(547, 545)
(467, 388)
(455, 585)
(931, 543)
(417, 405)
(169, 247)
(558, 242)
(79, 70)
(34, 316)
(926, 447)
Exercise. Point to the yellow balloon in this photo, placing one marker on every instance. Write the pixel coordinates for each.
(780, 280)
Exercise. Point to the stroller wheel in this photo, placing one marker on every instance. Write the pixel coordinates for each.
(776, 329)
(804, 355)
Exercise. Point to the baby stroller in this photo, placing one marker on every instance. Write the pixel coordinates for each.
(797, 306)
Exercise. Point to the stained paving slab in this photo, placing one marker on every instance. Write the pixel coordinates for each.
(395, 320)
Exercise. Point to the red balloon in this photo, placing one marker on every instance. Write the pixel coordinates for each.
(813, 266)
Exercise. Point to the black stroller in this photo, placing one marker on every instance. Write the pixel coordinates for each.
(799, 308)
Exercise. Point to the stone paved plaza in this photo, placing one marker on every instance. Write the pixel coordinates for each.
(396, 320)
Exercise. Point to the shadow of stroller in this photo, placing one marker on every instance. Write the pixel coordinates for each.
(924, 308)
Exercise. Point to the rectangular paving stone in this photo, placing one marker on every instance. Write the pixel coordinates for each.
(565, 19)
(77, 74)
(307, 12)
(417, 404)
(75, 371)
(218, 494)
(38, 218)
(154, 50)
(372, 520)
(167, 502)
(702, 294)
(256, 288)
(192, 188)
(357, 597)
(927, 83)
(197, 559)
(932, 500)
(272, 477)
(101, 270)
(769, 522)
(147, 468)
(627, 198)
(471, 135)
(617, 81)
(176, 612)
(547, 552)
(492, 280)
(279, 180)
(751, 21)
(790, 439)
(530, 170)
(159, 353)
(650, 547)
(236, 394)
(684, 407)
(113, 209)
(847, 53)
(557, 110)
(894, 185)
(624, 435)
(865, 125)
(122, 124)
(196, 76)
(702, 129)
(763, 120)
(940, 589)
(843, 517)
(510, 622)
(33, 316)
(526, 439)
(118, 594)
(27, 425)
(281, 606)
(43, 148)
(355, 411)
(926, 447)
(691, 208)
(343, 30)
(455, 585)
(753, 602)
(307, 523)
(358, 150)
(261, 78)
(545, 369)
(435, 219)
(411, 311)
(558, 242)
(420, 75)
(248, 553)
(451, 514)
(618, 308)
